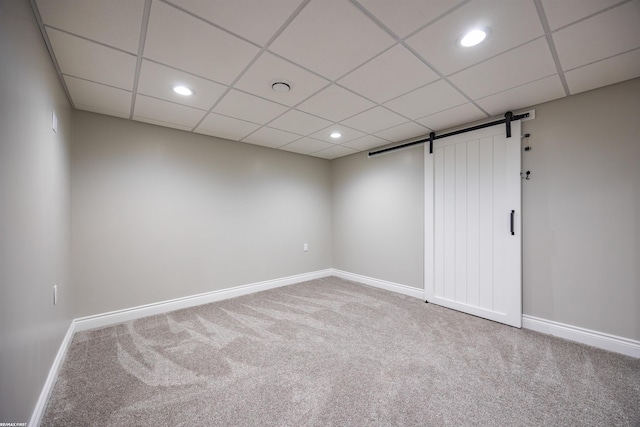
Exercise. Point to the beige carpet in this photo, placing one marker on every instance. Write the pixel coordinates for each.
(335, 353)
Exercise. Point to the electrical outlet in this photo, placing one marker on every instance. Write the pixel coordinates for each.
(55, 294)
(305, 247)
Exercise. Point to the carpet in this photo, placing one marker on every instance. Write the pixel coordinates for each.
(330, 352)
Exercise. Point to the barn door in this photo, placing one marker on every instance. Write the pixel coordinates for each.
(473, 224)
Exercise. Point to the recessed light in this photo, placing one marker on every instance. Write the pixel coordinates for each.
(473, 37)
(281, 87)
(335, 135)
(183, 90)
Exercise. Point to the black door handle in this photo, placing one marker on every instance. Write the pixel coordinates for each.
(512, 214)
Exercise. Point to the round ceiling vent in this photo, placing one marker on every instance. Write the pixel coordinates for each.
(281, 87)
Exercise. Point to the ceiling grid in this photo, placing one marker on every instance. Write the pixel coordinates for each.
(143, 37)
(376, 72)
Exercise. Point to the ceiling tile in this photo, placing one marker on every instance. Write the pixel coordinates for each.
(462, 114)
(92, 61)
(307, 146)
(334, 152)
(269, 137)
(429, 99)
(269, 69)
(507, 70)
(166, 113)
(347, 134)
(606, 72)
(248, 107)
(403, 132)
(158, 81)
(591, 40)
(99, 98)
(225, 127)
(374, 120)
(335, 103)
(115, 22)
(256, 20)
(404, 17)
(537, 92)
(331, 37)
(176, 38)
(562, 12)
(366, 143)
(511, 23)
(395, 72)
(299, 122)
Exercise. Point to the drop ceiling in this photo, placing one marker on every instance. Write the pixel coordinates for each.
(377, 71)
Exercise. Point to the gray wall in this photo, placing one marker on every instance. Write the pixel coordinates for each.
(378, 216)
(581, 212)
(34, 212)
(160, 213)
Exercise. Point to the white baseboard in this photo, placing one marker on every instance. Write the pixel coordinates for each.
(41, 404)
(382, 284)
(119, 316)
(585, 336)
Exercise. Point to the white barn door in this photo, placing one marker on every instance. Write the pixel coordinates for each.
(473, 224)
